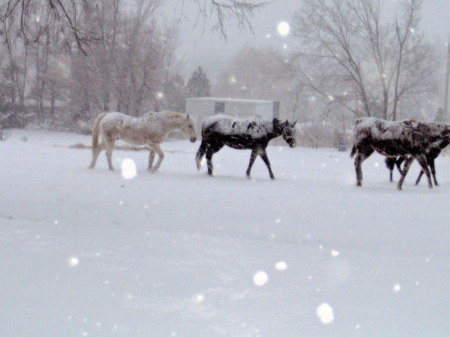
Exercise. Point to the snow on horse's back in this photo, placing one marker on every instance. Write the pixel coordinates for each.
(254, 126)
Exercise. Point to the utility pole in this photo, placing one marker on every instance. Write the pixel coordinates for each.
(446, 116)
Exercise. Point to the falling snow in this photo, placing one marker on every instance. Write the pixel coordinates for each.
(128, 169)
(73, 261)
(260, 278)
(283, 28)
(325, 313)
(281, 266)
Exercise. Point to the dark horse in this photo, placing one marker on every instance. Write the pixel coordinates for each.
(408, 138)
(433, 152)
(253, 134)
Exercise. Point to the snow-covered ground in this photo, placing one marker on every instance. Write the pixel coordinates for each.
(177, 253)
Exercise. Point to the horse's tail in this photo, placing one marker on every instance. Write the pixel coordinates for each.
(353, 151)
(204, 127)
(96, 130)
(200, 153)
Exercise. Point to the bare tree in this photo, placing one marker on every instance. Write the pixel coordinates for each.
(16, 68)
(353, 56)
(61, 14)
(222, 11)
(126, 69)
(447, 80)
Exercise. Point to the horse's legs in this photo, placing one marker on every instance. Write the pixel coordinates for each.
(95, 152)
(419, 177)
(210, 150)
(399, 162)
(390, 163)
(360, 157)
(158, 150)
(209, 154)
(264, 157)
(433, 171)
(408, 162)
(109, 149)
(422, 159)
(151, 158)
(252, 160)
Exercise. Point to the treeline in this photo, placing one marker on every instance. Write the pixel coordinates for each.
(348, 59)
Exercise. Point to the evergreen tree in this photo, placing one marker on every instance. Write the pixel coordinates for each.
(198, 85)
(439, 117)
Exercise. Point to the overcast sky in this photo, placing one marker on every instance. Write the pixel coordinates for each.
(200, 46)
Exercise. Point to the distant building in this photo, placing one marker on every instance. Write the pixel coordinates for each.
(200, 108)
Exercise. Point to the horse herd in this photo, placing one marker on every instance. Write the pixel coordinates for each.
(400, 141)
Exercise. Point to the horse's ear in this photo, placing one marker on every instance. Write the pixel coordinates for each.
(275, 121)
(293, 124)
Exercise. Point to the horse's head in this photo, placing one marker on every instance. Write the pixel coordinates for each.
(435, 131)
(444, 131)
(287, 130)
(188, 129)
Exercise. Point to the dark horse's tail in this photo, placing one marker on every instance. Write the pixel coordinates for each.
(202, 149)
(200, 153)
(353, 151)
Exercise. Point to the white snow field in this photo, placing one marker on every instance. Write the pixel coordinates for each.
(177, 253)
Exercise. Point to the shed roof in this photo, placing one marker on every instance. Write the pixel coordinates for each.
(229, 100)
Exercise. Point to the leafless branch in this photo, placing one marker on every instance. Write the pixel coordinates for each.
(219, 12)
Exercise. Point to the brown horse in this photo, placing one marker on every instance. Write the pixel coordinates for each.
(408, 138)
(150, 130)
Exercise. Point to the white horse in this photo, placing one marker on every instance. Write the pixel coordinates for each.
(150, 130)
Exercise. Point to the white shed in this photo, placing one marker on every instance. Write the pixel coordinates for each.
(200, 108)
